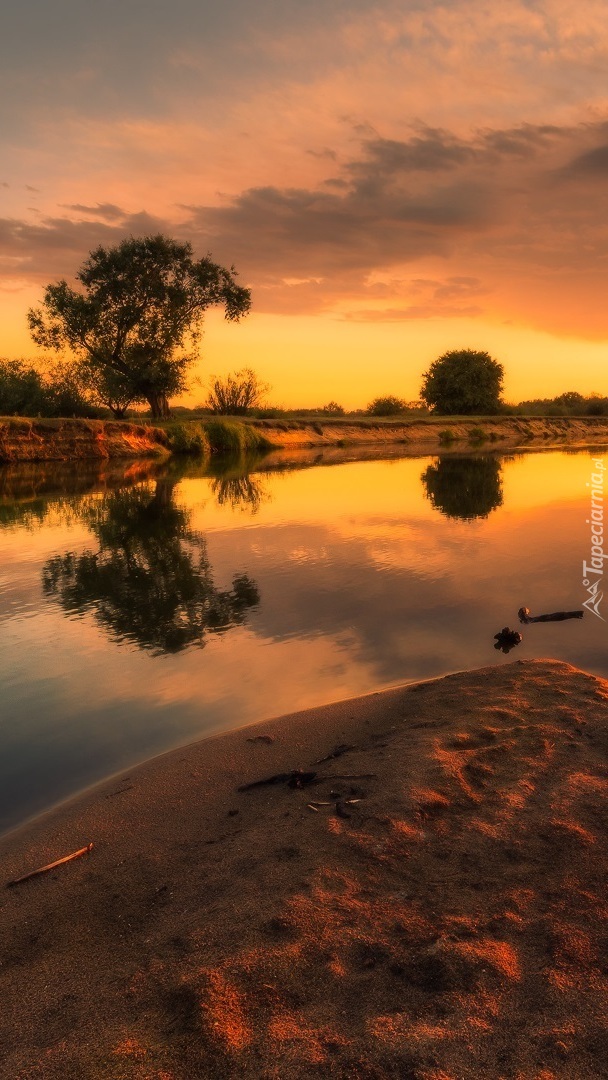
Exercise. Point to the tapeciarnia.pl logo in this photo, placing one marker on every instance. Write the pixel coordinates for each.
(593, 571)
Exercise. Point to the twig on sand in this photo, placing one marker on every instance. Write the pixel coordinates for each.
(352, 776)
(51, 866)
(343, 748)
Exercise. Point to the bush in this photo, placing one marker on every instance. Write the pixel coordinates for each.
(386, 406)
(477, 434)
(447, 436)
(236, 394)
(333, 409)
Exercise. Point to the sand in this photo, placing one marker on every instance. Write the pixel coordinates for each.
(449, 925)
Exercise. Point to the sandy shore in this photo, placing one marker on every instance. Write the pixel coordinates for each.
(451, 924)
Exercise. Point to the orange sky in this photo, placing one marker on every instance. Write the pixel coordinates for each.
(391, 180)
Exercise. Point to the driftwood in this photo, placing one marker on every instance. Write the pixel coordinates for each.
(295, 779)
(51, 866)
(556, 616)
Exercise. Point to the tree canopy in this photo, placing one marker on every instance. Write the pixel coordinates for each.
(386, 406)
(136, 317)
(463, 382)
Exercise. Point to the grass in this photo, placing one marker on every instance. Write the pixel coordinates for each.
(188, 438)
(234, 437)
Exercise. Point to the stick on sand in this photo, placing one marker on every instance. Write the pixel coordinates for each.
(51, 865)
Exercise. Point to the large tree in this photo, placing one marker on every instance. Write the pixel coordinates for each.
(463, 382)
(138, 313)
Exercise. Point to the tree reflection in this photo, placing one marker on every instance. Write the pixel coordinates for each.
(244, 492)
(150, 581)
(464, 487)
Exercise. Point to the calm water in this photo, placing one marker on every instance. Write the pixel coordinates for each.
(144, 608)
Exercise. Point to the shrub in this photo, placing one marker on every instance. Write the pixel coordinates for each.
(477, 434)
(386, 406)
(333, 409)
(447, 436)
(237, 393)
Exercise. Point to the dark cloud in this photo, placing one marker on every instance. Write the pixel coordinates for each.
(525, 141)
(55, 247)
(432, 151)
(107, 211)
(593, 163)
(325, 153)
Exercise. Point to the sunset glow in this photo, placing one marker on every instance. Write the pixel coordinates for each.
(391, 181)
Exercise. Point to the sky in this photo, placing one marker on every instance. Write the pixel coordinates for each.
(390, 179)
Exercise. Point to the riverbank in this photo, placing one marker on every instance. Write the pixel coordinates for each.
(65, 440)
(23, 440)
(438, 433)
(432, 906)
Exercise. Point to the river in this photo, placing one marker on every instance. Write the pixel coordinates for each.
(145, 606)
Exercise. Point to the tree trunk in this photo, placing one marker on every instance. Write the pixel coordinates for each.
(159, 405)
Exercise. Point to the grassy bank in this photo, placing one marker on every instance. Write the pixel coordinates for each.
(217, 435)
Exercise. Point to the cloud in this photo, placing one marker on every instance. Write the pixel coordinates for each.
(505, 222)
(498, 207)
(55, 246)
(107, 211)
(593, 164)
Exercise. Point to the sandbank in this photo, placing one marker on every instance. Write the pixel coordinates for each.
(440, 914)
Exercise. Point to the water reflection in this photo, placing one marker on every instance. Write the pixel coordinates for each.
(150, 581)
(464, 487)
(242, 491)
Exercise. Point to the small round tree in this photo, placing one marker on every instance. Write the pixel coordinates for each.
(386, 406)
(463, 382)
